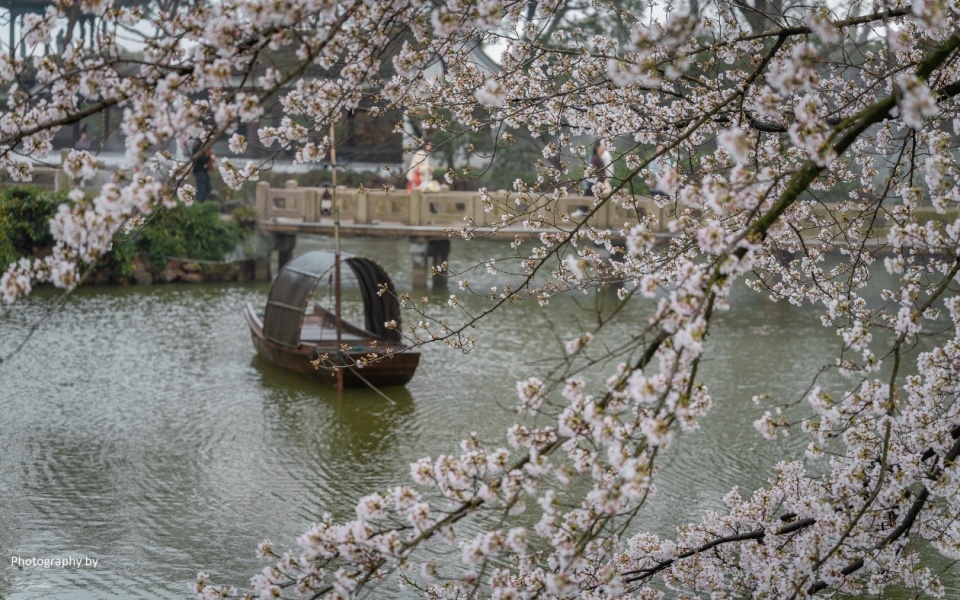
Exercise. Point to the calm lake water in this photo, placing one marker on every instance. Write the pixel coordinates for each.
(138, 429)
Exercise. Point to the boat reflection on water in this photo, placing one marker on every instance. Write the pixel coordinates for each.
(356, 424)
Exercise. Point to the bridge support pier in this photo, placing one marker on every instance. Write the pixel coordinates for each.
(256, 269)
(427, 256)
(283, 243)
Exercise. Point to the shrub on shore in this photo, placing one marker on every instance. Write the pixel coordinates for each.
(193, 232)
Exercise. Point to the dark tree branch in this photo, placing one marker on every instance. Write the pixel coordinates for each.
(756, 534)
(910, 518)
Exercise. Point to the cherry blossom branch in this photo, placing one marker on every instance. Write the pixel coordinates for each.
(787, 32)
(90, 110)
(883, 15)
(638, 575)
(729, 211)
(909, 519)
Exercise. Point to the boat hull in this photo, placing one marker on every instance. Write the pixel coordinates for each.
(393, 369)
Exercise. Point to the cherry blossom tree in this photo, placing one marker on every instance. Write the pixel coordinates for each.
(784, 135)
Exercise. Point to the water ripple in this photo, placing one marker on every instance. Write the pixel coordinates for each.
(139, 429)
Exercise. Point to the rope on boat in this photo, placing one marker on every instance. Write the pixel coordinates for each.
(356, 372)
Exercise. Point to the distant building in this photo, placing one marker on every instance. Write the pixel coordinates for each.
(361, 138)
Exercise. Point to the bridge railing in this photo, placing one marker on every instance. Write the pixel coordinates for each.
(456, 209)
(441, 209)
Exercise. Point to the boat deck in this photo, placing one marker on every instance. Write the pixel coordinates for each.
(311, 334)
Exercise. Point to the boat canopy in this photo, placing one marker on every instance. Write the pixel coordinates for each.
(296, 281)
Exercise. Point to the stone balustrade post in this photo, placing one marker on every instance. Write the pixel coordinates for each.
(61, 181)
(363, 209)
(311, 205)
(662, 217)
(476, 210)
(603, 216)
(263, 194)
(415, 208)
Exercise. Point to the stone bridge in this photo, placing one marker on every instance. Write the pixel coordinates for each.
(425, 218)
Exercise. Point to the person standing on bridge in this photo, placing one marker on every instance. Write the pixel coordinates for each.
(602, 163)
(420, 172)
(83, 142)
(202, 165)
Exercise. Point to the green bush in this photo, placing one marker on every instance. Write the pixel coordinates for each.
(192, 232)
(25, 213)
(119, 261)
(245, 216)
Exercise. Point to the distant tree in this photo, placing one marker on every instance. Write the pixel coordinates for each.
(751, 115)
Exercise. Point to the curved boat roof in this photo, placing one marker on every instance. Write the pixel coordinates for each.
(290, 293)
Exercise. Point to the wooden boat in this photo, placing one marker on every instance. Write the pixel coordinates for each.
(317, 342)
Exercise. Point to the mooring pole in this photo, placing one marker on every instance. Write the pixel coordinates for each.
(336, 254)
